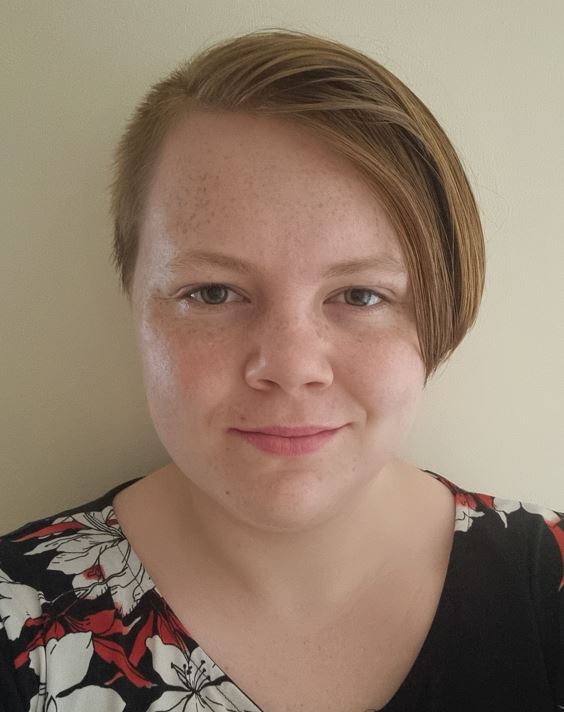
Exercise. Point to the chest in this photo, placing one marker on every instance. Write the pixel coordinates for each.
(353, 663)
(352, 659)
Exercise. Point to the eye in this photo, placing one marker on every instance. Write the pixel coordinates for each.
(214, 289)
(216, 293)
(363, 294)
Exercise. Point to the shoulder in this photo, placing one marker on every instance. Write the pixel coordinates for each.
(472, 506)
(70, 556)
(526, 535)
(69, 583)
(533, 531)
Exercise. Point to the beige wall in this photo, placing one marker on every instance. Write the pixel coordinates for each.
(73, 416)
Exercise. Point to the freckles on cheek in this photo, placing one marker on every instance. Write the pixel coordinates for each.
(393, 374)
(179, 367)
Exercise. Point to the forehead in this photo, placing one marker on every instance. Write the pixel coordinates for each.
(213, 143)
(222, 176)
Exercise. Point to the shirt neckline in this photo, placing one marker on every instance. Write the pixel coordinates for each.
(424, 652)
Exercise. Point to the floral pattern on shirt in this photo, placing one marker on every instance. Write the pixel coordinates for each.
(83, 627)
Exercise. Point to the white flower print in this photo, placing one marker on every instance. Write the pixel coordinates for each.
(96, 551)
(505, 506)
(21, 602)
(465, 516)
(199, 684)
(62, 664)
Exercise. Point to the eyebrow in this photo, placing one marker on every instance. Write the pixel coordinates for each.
(384, 263)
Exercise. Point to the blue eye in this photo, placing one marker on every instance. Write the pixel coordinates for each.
(216, 293)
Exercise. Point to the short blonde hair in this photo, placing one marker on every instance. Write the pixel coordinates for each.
(364, 112)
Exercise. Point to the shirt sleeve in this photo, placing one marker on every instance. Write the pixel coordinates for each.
(11, 697)
(560, 682)
(20, 605)
(547, 585)
(560, 665)
(560, 607)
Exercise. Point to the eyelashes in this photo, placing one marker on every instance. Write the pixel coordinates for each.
(215, 287)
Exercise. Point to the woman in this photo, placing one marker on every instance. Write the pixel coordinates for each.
(301, 250)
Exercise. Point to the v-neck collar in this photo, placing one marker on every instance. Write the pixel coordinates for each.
(425, 651)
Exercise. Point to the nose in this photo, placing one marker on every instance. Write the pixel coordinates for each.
(290, 353)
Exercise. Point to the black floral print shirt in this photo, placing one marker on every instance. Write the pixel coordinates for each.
(84, 629)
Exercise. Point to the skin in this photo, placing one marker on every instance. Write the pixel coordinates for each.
(284, 345)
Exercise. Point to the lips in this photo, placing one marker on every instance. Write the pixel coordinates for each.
(289, 432)
(284, 445)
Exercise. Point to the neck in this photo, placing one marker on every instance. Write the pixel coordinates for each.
(320, 568)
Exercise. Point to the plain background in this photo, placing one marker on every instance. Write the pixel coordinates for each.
(73, 417)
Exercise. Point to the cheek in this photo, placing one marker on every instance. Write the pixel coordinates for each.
(388, 379)
(179, 369)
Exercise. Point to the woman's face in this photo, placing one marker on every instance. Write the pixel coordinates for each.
(283, 342)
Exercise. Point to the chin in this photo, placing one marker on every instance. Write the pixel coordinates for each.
(290, 502)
